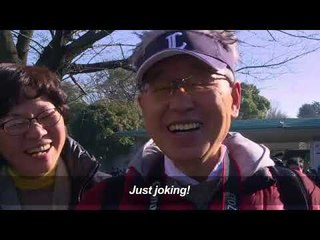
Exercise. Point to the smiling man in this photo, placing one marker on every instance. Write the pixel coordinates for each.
(188, 97)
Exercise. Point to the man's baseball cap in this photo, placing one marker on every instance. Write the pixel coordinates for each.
(199, 45)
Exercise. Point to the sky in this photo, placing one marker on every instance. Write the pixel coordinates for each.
(290, 91)
(287, 87)
(296, 82)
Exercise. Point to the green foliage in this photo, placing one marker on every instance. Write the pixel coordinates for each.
(309, 110)
(253, 106)
(95, 127)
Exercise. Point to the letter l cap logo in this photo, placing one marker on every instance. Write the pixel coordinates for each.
(172, 40)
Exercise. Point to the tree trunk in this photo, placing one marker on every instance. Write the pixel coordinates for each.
(58, 55)
(8, 51)
(23, 44)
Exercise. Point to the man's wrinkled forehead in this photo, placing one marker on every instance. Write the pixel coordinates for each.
(191, 41)
(191, 63)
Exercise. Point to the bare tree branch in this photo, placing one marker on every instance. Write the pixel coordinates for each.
(36, 50)
(80, 56)
(53, 55)
(61, 37)
(85, 41)
(17, 34)
(278, 63)
(299, 36)
(96, 53)
(121, 51)
(275, 113)
(51, 33)
(78, 85)
(249, 44)
(94, 67)
(115, 45)
(271, 35)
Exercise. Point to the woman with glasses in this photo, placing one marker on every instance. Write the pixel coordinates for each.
(40, 166)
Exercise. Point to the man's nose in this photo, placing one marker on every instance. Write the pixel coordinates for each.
(180, 101)
(180, 89)
(179, 86)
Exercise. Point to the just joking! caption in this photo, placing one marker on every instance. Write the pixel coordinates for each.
(155, 190)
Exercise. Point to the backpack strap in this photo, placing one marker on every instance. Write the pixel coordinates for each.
(293, 192)
(261, 179)
(113, 193)
(155, 178)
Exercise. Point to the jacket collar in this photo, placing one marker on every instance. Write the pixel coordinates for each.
(78, 161)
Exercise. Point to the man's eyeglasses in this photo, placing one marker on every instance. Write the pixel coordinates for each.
(20, 125)
(162, 89)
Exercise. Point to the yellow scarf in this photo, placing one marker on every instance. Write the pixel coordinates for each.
(32, 183)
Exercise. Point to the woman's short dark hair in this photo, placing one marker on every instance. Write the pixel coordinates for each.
(19, 83)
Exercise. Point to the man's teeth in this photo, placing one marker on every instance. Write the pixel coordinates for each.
(184, 127)
(39, 149)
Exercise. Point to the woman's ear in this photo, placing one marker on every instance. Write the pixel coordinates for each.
(141, 101)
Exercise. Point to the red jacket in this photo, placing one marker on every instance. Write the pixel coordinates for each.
(263, 197)
(250, 186)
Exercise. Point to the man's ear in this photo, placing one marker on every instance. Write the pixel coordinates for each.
(236, 99)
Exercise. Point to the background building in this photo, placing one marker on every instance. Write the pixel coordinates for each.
(286, 137)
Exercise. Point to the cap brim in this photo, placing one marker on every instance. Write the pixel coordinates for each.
(216, 64)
